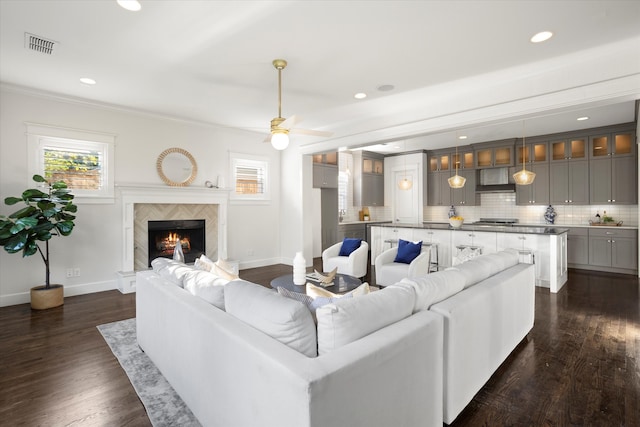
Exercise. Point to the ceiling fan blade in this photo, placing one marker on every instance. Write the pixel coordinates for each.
(290, 122)
(311, 132)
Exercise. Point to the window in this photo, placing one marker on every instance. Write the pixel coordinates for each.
(250, 177)
(79, 158)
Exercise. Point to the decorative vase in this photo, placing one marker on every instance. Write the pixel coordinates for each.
(299, 269)
(550, 215)
(178, 255)
(42, 298)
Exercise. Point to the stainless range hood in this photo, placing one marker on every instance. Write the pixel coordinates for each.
(495, 180)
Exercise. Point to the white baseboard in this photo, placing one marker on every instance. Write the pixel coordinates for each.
(262, 262)
(69, 291)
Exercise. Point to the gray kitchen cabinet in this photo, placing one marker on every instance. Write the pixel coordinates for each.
(578, 246)
(614, 248)
(372, 190)
(568, 149)
(368, 179)
(495, 155)
(612, 144)
(569, 182)
(438, 190)
(535, 156)
(613, 180)
(353, 231)
(466, 196)
(538, 193)
(325, 176)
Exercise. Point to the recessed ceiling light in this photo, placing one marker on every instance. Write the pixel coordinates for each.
(462, 137)
(541, 36)
(386, 88)
(360, 95)
(87, 81)
(132, 5)
(580, 119)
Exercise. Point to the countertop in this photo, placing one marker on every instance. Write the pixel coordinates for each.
(537, 229)
(364, 222)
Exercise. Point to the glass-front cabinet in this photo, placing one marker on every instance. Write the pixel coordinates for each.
(439, 162)
(569, 149)
(495, 156)
(613, 144)
(537, 152)
(463, 159)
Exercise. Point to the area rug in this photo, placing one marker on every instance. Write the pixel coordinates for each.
(164, 406)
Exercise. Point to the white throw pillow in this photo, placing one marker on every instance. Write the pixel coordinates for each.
(219, 268)
(434, 287)
(173, 271)
(207, 286)
(348, 320)
(283, 319)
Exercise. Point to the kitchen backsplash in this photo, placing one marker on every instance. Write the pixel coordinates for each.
(503, 205)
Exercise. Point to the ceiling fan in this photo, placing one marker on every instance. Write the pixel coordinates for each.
(280, 127)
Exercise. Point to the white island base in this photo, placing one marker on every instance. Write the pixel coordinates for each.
(546, 247)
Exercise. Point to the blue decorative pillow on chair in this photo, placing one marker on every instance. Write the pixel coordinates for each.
(349, 245)
(407, 251)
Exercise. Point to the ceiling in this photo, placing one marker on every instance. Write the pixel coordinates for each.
(211, 61)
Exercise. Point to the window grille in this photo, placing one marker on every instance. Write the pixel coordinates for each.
(82, 159)
(250, 177)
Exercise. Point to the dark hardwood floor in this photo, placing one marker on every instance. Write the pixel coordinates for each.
(579, 366)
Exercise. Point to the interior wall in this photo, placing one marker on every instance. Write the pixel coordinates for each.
(94, 246)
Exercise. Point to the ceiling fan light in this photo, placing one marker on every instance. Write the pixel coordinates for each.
(457, 181)
(524, 177)
(405, 184)
(279, 140)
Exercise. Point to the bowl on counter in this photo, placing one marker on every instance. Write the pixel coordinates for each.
(456, 222)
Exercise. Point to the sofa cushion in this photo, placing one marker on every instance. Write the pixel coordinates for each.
(312, 303)
(206, 285)
(173, 271)
(510, 257)
(283, 319)
(318, 291)
(434, 287)
(407, 251)
(349, 245)
(219, 268)
(473, 271)
(348, 320)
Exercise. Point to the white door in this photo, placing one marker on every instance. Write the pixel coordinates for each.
(406, 203)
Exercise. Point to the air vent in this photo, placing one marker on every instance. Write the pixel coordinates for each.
(38, 44)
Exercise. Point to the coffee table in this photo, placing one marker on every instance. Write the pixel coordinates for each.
(341, 283)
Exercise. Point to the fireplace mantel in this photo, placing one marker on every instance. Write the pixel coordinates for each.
(132, 194)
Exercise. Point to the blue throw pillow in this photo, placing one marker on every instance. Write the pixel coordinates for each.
(407, 251)
(349, 245)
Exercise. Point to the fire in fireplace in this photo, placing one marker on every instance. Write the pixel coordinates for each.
(163, 236)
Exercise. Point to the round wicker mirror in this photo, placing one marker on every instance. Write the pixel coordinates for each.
(176, 167)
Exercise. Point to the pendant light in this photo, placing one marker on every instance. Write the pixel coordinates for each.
(524, 177)
(406, 183)
(456, 181)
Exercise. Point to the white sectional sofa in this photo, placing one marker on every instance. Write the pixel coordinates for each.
(230, 373)
(413, 354)
(488, 307)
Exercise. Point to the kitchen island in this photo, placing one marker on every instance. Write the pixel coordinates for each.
(546, 246)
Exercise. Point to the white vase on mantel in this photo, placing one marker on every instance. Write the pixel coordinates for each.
(299, 269)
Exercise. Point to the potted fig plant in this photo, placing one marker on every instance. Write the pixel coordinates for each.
(47, 213)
